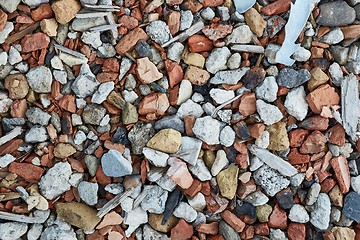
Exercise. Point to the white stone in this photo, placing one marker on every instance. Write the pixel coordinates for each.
(56, 63)
(158, 31)
(5, 102)
(295, 103)
(92, 38)
(186, 212)
(234, 61)
(103, 92)
(207, 14)
(34, 232)
(220, 95)
(189, 108)
(186, 19)
(14, 56)
(175, 51)
(189, 149)
(267, 90)
(40, 79)
(227, 136)
(9, 5)
(156, 158)
(208, 108)
(333, 37)
(255, 163)
(36, 134)
(12, 230)
(185, 91)
(60, 76)
(130, 96)
(301, 54)
(71, 60)
(269, 114)
(264, 140)
(127, 204)
(200, 171)
(3, 58)
(56, 181)
(155, 199)
(166, 183)
(220, 162)
(207, 129)
(6, 160)
(240, 35)
(355, 184)
(9, 26)
(257, 198)
(86, 83)
(79, 138)
(231, 77)
(75, 179)
(197, 202)
(298, 214)
(88, 192)
(217, 60)
(320, 216)
(336, 73)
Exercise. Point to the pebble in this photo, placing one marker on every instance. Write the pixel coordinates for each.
(230, 77)
(36, 134)
(35, 231)
(277, 234)
(56, 181)
(351, 206)
(256, 198)
(197, 202)
(37, 85)
(217, 60)
(269, 114)
(158, 31)
(207, 14)
(155, 199)
(85, 84)
(240, 35)
(220, 95)
(227, 136)
(12, 230)
(190, 108)
(71, 60)
(291, 78)
(334, 14)
(301, 54)
(88, 192)
(93, 114)
(173, 122)
(9, 5)
(228, 232)
(6, 160)
(156, 158)
(185, 91)
(298, 214)
(270, 180)
(207, 129)
(220, 162)
(60, 76)
(200, 171)
(186, 20)
(234, 61)
(333, 37)
(336, 73)
(295, 103)
(36, 116)
(115, 165)
(14, 56)
(102, 93)
(9, 26)
(17, 85)
(186, 212)
(166, 140)
(175, 52)
(355, 184)
(340, 54)
(227, 180)
(189, 149)
(267, 90)
(320, 216)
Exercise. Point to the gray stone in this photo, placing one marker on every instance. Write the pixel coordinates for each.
(175, 51)
(139, 135)
(34, 3)
(207, 14)
(36, 116)
(240, 35)
(158, 31)
(9, 26)
(269, 114)
(277, 234)
(60, 76)
(189, 149)
(313, 193)
(103, 92)
(270, 180)
(40, 79)
(207, 129)
(34, 232)
(231, 77)
(190, 108)
(115, 165)
(354, 65)
(155, 199)
(14, 56)
(256, 198)
(106, 50)
(9, 124)
(83, 24)
(92, 164)
(351, 206)
(333, 37)
(228, 232)
(298, 214)
(297, 179)
(227, 136)
(270, 52)
(217, 60)
(336, 74)
(186, 19)
(86, 83)
(267, 90)
(3, 58)
(295, 103)
(9, 5)
(301, 54)
(6, 160)
(320, 216)
(221, 95)
(56, 232)
(185, 211)
(36, 134)
(340, 54)
(334, 14)
(173, 122)
(156, 158)
(234, 61)
(12, 230)
(291, 78)
(56, 181)
(88, 192)
(223, 13)
(200, 171)
(355, 184)
(197, 202)
(151, 234)
(93, 114)
(71, 60)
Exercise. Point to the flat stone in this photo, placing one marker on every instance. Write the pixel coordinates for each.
(291, 78)
(166, 140)
(36, 134)
(78, 215)
(324, 95)
(217, 60)
(86, 83)
(173, 122)
(263, 213)
(320, 216)
(43, 85)
(56, 181)
(157, 158)
(207, 129)
(200, 171)
(12, 230)
(189, 149)
(267, 90)
(270, 114)
(88, 192)
(102, 92)
(186, 212)
(179, 173)
(65, 10)
(334, 14)
(115, 165)
(33, 42)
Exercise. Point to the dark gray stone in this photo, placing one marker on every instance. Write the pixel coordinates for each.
(9, 124)
(291, 78)
(334, 14)
(115, 165)
(352, 207)
(285, 199)
(120, 136)
(173, 122)
(139, 135)
(143, 49)
(228, 232)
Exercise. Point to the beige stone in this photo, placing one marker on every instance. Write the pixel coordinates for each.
(279, 139)
(228, 180)
(209, 158)
(64, 150)
(195, 59)
(49, 26)
(255, 21)
(112, 218)
(155, 222)
(343, 233)
(147, 71)
(263, 212)
(167, 140)
(17, 86)
(65, 10)
(78, 215)
(336, 196)
(318, 77)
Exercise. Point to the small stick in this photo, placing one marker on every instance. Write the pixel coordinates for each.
(102, 8)
(69, 51)
(247, 48)
(20, 218)
(113, 203)
(186, 34)
(11, 135)
(213, 115)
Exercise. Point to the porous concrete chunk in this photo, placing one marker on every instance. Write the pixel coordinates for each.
(40, 79)
(115, 165)
(190, 108)
(88, 192)
(270, 114)
(295, 103)
(240, 35)
(298, 214)
(36, 116)
(320, 216)
(56, 181)
(267, 90)
(158, 31)
(270, 180)
(85, 84)
(36, 134)
(217, 60)
(155, 199)
(207, 129)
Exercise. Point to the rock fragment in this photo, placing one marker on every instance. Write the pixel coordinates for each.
(65, 10)
(115, 165)
(40, 79)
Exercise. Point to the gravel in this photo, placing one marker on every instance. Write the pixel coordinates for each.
(40, 79)
(115, 165)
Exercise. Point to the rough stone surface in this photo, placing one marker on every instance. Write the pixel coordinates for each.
(207, 129)
(12, 230)
(115, 165)
(334, 14)
(40, 79)
(320, 216)
(270, 180)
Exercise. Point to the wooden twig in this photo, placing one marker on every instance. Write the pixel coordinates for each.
(247, 48)
(186, 34)
(113, 203)
(20, 218)
(11, 135)
(69, 51)
(102, 8)
(16, 36)
(213, 115)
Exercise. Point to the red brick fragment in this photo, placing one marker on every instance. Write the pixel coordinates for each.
(277, 7)
(174, 72)
(44, 11)
(27, 171)
(199, 43)
(278, 218)
(233, 220)
(262, 229)
(296, 231)
(3, 19)
(216, 31)
(10, 146)
(156, 103)
(315, 122)
(182, 231)
(212, 3)
(314, 143)
(173, 21)
(337, 135)
(256, 129)
(128, 22)
(33, 42)
(295, 157)
(297, 137)
(68, 103)
(247, 104)
(128, 42)
(324, 95)
(208, 228)
(248, 232)
(342, 172)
